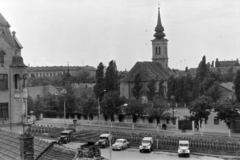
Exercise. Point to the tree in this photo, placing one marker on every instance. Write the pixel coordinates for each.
(237, 85)
(151, 89)
(213, 92)
(99, 87)
(211, 78)
(228, 111)
(178, 89)
(171, 87)
(201, 108)
(217, 64)
(187, 88)
(111, 77)
(158, 109)
(110, 103)
(135, 109)
(137, 89)
(212, 65)
(82, 76)
(161, 90)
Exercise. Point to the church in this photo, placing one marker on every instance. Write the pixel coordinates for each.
(157, 69)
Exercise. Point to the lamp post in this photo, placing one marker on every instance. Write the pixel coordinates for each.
(173, 99)
(110, 124)
(99, 109)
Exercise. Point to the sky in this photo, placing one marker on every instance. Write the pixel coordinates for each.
(87, 32)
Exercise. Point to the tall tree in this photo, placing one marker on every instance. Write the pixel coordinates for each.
(151, 86)
(200, 109)
(237, 85)
(161, 90)
(187, 89)
(171, 87)
(213, 92)
(212, 64)
(228, 111)
(178, 89)
(111, 77)
(100, 85)
(217, 64)
(137, 89)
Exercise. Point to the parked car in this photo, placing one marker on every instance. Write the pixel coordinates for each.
(183, 149)
(65, 137)
(120, 144)
(103, 140)
(146, 145)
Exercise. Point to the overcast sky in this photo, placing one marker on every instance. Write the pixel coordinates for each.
(87, 32)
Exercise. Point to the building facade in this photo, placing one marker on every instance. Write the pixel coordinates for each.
(156, 69)
(13, 76)
(51, 71)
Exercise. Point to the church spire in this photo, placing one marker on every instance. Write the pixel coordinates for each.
(159, 28)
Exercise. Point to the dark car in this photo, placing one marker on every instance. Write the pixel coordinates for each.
(103, 140)
(65, 137)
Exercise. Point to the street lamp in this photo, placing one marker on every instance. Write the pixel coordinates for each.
(99, 109)
(110, 124)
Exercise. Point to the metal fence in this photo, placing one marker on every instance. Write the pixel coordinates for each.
(200, 145)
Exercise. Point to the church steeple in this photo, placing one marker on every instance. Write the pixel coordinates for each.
(159, 44)
(159, 28)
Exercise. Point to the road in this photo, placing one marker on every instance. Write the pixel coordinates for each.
(133, 154)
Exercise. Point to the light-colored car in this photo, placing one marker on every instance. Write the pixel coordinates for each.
(120, 144)
(146, 145)
(183, 149)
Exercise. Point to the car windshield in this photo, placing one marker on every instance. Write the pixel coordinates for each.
(145, 141)
(119, 141)
(102, 137)
(64, 134)
(183, 145)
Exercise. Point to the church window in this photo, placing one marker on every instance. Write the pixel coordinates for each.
(3, 82)
(159, 50)
(4, 110)
(156, 50)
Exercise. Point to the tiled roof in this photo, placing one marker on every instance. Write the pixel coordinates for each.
(58, 153)
(3, 21)
(229, 86)
(9, 145)
(10, 148)
(148, 70)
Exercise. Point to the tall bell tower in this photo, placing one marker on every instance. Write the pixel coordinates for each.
(159, 44)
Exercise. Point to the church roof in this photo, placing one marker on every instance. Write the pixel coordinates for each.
(148, 71)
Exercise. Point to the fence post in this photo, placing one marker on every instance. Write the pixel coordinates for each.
(157, 143)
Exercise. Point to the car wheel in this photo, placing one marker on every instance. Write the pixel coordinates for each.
(179, 155)
(121, 148)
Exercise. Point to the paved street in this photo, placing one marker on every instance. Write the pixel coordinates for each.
(133, 154)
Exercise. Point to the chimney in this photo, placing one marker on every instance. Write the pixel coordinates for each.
(26, 146)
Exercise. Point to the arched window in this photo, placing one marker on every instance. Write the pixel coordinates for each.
(159, 50)
(16, 81)
(156, 50)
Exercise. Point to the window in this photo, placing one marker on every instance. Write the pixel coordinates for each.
(1, 57)
(16, 81)
(156, 50)
(4, 110)
(3, 82)
(216, 121)
(159, 50)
